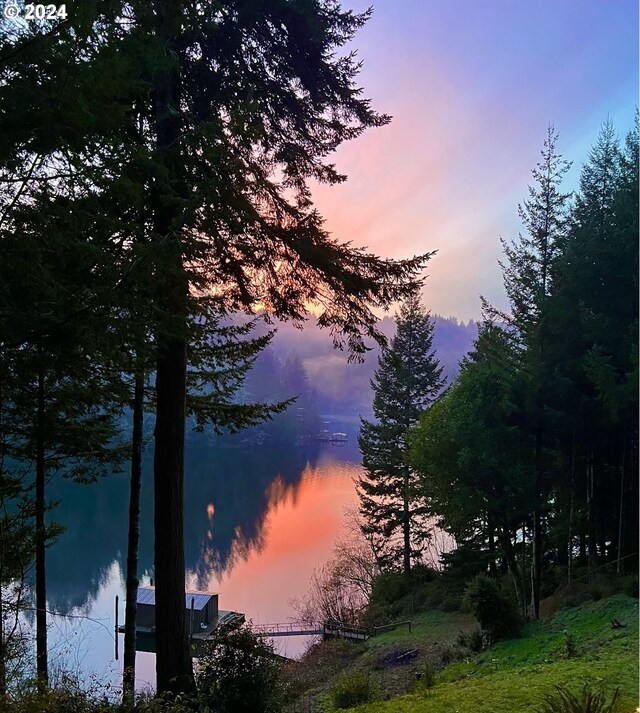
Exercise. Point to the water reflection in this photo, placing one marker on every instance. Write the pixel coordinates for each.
(229, 492)
(257, 521)
(298, 534)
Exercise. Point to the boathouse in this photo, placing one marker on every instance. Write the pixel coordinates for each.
(203, 604)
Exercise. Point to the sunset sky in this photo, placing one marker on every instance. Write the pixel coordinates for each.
(472, 86)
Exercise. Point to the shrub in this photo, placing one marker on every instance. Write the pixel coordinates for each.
(165, 703)
(451, 604)
(494, 608)
(58, 700)
(563, 701)
(374, 615)
(466, 561)
(596, 593)
(427, 678)
(630, 586)
(422, 574)
(351, 689)
(388, 587)
(472, 640)
(449, 654)
(570, 645)
(239, 673)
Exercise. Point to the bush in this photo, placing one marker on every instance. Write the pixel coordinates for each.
(352, 689)
(563, 701)
(630, 586)
(451, 604)
(449, 654)
(427, 678)
(388, 588)
(375, 615)
(596, 593)
(466, 561)
(238, 673)
(422, 574)
(570, 645)
(494, 608)
(58, 700)
(165, 703)
(472, 640)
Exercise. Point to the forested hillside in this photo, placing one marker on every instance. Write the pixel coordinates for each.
(344, 388)
(530, 460)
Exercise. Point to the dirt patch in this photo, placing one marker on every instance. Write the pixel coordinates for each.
(399, 658)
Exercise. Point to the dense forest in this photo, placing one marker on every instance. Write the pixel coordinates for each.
(529, 458)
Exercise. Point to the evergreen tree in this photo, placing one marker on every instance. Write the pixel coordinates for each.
(473, 460)
(240, 97)
(407, 381)
(211, 118)
(221, 356)
(60, 391)
(529, 259)
(16, 559)
(593, 338)
(528, 276)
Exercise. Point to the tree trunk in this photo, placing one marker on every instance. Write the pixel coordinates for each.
(3, 669)
(582, 553)
(41, 582)
(131, 608)
(504, 537)
(492, 547)
(523, 570)
(619, 566)
(602, 547)
(3, 653)
(591, 518)
(571, 506)
(536, 564)
(174, 671)
(406, 529)
(173, 662)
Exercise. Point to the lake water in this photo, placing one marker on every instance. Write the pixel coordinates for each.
(258, 521)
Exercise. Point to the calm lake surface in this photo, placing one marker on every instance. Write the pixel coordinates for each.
(258, 521)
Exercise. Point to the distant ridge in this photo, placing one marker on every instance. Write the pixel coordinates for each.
(344, 388)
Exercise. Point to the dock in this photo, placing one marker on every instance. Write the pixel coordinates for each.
(204, 618)
(328, 630)
(202, 615)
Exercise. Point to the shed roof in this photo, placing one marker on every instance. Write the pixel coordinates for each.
(147, 595)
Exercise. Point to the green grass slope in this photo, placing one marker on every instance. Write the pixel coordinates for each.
(515, 675)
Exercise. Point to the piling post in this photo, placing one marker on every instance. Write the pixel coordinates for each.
(191, 622)
(116, 627)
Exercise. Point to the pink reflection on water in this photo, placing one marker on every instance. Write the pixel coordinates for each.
(298, 534)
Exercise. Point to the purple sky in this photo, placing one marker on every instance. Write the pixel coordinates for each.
(472, 86)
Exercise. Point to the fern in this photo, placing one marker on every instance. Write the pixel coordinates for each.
(563, 701)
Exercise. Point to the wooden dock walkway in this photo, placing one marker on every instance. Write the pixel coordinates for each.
(329, 630)
(288, 629)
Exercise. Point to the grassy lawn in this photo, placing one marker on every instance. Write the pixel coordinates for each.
(433, 626)
(514, 675)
